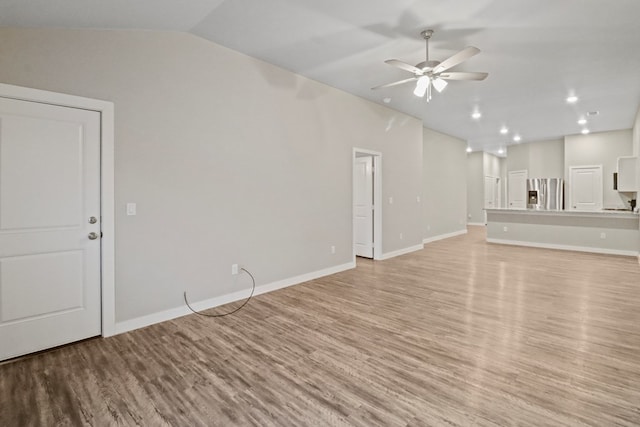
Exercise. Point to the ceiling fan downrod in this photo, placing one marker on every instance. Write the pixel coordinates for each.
(426, 35)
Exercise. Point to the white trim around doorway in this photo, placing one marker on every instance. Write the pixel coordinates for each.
(106, 110)
(377, 202)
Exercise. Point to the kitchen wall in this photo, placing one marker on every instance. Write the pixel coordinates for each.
(229, 159)
(601, 148)
(541, 159)
(444, 184)
(491, 165)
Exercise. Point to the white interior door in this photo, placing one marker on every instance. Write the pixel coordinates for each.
(363, 206)
(49, 193)
(517, 189)
(489, 192)
(585, 188)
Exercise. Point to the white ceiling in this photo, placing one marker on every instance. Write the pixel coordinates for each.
(536, 52)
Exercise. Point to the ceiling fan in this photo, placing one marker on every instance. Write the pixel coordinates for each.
(434, 74)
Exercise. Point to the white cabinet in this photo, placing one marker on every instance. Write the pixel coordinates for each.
(628, 174)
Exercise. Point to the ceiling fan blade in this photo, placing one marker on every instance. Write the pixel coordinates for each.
(399, 82)
(456, 59)
(459, 75)
(404, 66)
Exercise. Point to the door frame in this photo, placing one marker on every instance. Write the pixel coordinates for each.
(107, 212)
(496, 187)
(496, 194)
(377, 201)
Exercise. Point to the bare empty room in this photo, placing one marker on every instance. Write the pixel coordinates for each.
(234, 212)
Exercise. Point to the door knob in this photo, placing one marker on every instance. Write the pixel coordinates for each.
(93, 220)
(93, 236)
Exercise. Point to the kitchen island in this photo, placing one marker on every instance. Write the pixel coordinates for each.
(608, 232)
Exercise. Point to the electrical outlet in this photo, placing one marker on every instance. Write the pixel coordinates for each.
(401, 236)
(505, 229)
(234, 269)
(333, 249)
(417, 199)
(428, 228)
(390, 200)
(603, 235)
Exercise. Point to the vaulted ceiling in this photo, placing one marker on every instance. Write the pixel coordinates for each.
(537, 53)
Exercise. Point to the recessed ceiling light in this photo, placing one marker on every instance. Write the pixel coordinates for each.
(572, 99)
(500, 151)
(582, 121)
(585, 131)
(469, 149)
(504, 130)
(386, 100)
(476, 115)
(517, 138)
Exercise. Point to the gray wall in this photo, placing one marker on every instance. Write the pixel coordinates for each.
(475, 188)
(542, 159)
(601, 148)
(444, 183)
(230, 159)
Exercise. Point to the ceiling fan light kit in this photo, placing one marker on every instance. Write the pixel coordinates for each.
(428, 74)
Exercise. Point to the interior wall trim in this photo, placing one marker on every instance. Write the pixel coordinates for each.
(564, 247)
(443, 236)
(107, 184)
(402, 251)
(183, 310)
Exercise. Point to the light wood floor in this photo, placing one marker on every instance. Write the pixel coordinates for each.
(461, 333)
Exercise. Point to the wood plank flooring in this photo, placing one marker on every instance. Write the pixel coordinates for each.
(462, 333)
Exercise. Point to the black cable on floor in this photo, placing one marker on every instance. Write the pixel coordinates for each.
(253, 288)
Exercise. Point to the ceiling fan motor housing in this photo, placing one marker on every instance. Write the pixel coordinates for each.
(427, 65)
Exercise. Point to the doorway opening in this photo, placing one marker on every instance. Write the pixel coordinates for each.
(367, 207)
(492, 199)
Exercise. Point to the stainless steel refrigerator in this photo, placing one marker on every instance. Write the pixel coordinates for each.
(545, 194)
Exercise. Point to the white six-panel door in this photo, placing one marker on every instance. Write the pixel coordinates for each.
(49, 193)
(363, 206)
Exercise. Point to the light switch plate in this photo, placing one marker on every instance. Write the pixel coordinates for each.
(131, 208)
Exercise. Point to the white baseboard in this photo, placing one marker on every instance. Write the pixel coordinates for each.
(479, 224)
(163, 316)
(401, 252)
(564, 247)
(443, 236)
